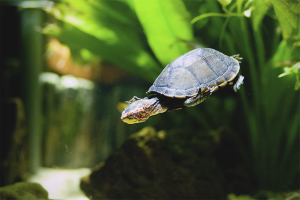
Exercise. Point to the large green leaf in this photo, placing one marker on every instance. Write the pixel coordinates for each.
(167, 26)
(259, 11)
(100, 28)
(288, 16)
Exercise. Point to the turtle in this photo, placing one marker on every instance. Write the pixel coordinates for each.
(186, 81)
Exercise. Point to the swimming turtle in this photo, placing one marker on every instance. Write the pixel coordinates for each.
(186, 81)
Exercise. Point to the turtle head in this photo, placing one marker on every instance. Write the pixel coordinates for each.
(139, 110)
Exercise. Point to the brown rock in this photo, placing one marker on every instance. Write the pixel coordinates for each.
(154, 165)
(14, 164)
(23, 190)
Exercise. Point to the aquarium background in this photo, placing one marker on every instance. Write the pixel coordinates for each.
(67, 68)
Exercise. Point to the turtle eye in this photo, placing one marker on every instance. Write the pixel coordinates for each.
(130, 116)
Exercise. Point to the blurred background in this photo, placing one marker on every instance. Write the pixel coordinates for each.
(67, 68)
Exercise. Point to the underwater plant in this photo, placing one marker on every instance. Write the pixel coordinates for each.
(143, 36)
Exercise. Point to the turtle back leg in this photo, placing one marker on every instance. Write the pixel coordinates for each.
(238, 83)
(203, 94)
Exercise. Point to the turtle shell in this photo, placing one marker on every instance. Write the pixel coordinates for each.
(197, 69)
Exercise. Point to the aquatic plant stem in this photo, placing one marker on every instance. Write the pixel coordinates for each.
(200, 118)
(223, 31)
(265, 159)
(215, 15)
(255, 117)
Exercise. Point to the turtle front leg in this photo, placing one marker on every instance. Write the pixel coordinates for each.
(134, 98)
(203, 94)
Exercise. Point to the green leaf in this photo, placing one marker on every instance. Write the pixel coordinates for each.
(86, 54)
(224, 2)
(260, 8)
(283, 52)
(291, 70)
(295, 7)
(288, 18)
(99, 27)
(286, 51)
(295, 69)
(167, 26)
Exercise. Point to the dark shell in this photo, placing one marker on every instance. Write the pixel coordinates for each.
(202, 67)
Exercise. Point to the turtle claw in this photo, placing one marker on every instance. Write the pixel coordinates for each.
(237, 57)
(203, 94)
(134, 98)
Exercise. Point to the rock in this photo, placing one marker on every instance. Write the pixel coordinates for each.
(23, 191)
(14, 149)
(151, 165)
